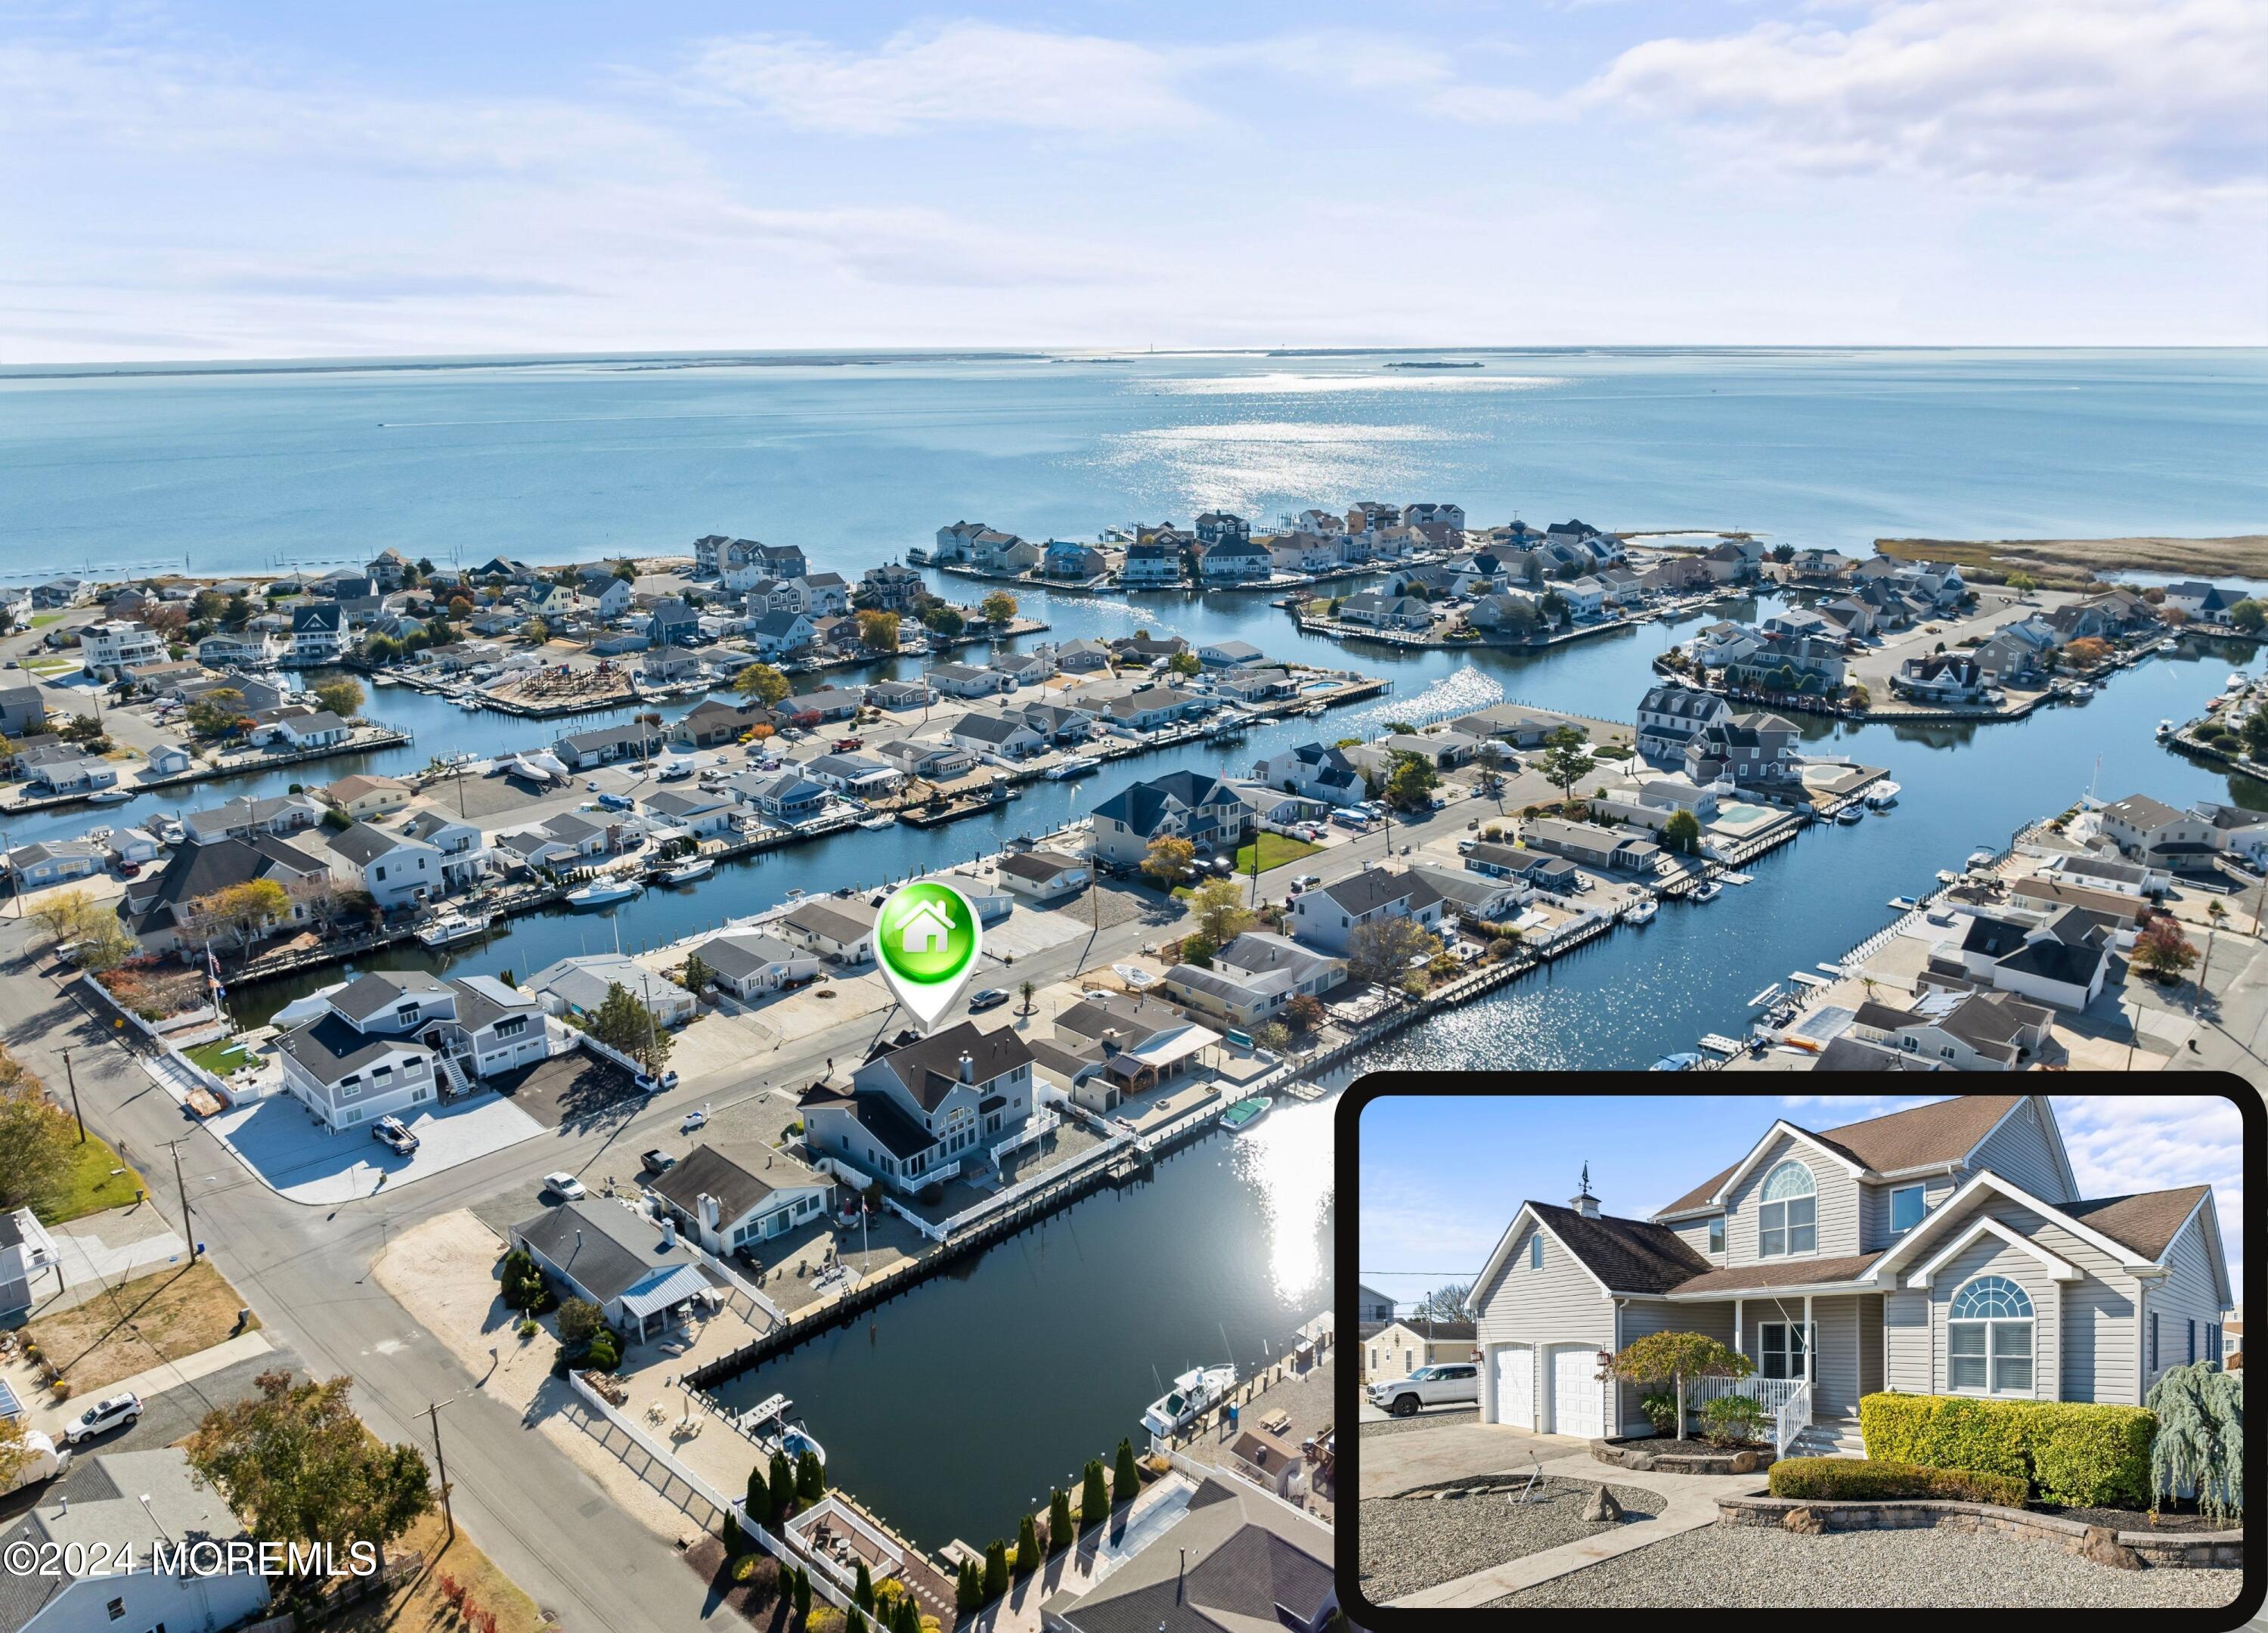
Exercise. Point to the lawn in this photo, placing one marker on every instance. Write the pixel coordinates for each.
(163, 1316)
(1275, 850)
(415, 1604)
(41, 620)
(98, 1179)
(220, 1056)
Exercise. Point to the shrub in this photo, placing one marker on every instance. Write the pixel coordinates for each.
(2082, 1455)
(603, 1353)
(1732, 1420)
(1857, 1480)
(759, 1573)
(1661, 1411)
(2200, 1440)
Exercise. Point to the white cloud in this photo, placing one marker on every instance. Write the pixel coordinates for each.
(2123, 1143)
(2164, 99)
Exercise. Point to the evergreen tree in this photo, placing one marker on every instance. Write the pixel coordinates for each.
(858, 1622)
(810, 1478)
(1027, 1548)
(1094, 1501)
(783, 1484)
(735, 1544)
(1059, 1526)
(863, 1595)
(760, 1495)
(968, 1591)
(906, 1615)
(1125, 1479)
(802, 1597)
(995, 1569)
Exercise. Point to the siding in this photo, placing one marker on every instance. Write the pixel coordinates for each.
(1695, 1234)
(2187, 1294)
(1639, 1320)
(1837, 1211)
(1912, 1367)
(2018, 1150)
(1558, 1304)
(1875, 1208)
(1835, 1369)
(1870, 1347)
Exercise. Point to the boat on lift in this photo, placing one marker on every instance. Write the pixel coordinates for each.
(2235, 683)
(1850, 814)
(766, 1423)
(1194, 1393)
(688, 872)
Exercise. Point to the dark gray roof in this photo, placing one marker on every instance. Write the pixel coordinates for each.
(930, 1068)
(1377, 886)
(1629, 1255)
(739, 1180)
(366, 995)
(361, 842)
(330, 1049)
(619, 1246)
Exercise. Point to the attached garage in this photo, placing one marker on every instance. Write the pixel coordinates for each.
(1512, 1371)
(1577, 1399)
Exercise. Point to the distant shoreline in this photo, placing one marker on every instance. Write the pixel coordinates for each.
(2239, 554)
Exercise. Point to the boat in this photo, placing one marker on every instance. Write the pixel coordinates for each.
(600, 892)
(383, 679)
(687, 872)
(880, 819)
(1640, 912)
(1194, 1393)
(1883, 795)
(1982, 857)
(1314, 711)
(1709, 892)
(2235, 683)
(2084, 690)
(2165, 728)
(1904, 904)
(1686, 1061)
(1850, 815)
(1077, 765)
(109, 797)
(454, 927)
(766, 1423)
(1245, 1113)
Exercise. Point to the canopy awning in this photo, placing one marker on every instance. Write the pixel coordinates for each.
(654, 1295)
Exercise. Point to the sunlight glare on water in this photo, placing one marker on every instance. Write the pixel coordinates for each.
(1286, 1160)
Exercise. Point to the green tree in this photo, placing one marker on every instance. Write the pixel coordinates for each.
(536, 630)
(810, 1478)
(2200, 1446)
(1094, 1500)
(2249, 615)
(520, 1281)
(2256, 734)
(579, 1321)
(343, 696)
(1027, 1548)
(1184, 664)
(624, 1023)
(1683, 832)
(1060, 1530)
(1219, 909)
(1567, 760)
(968, 1587)
(767, 685)
(942, 620)
(758, 1500)
(1382, 950)
(1782, 554)
(878, 631)
(697, 972)
(37, 1141)
(997, 608)
(1411, 780)
(2024, 583)
(802, 1597)
(1125, 1479)
(298, 1467)
(995, 1569)
(246, 911)
(1677, 1357)
(783, 1486)
(863, 1593)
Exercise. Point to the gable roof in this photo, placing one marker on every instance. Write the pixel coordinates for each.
(2148, 1221)
(1942, 1131)
(929, 1068)
(1622, 1256)
(740, 1182)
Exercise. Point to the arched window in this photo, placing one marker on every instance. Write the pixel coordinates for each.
(1989, 1337)
(1788, 1221)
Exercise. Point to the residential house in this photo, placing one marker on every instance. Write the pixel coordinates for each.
(2204, 602)
(732, 1200)
(51, 862)
(1233, 560)
(1942, 677)
(1329, 916)
(785, 798)
(1752, 750)
(57, 769)
(392, 1044)
(1229, 654)
(672, 622)
(837, 934)
(1669, 715)
(2149, 830)
(1044, 876)
(932, 758)
(1315, 771)
(363, 796)
(463, 852)
(858, 776)
(397, 870)
(296, 726)
(1253, 978)
(1400, 1348)
(1235, 1545)
(919, 1109)
(633, 1267)
(1591, 846)
(1150, 567)
(580, 751)
(158, 906)
(749, 963)
(559, 843)
(997, 738)
(1476, 898)
(1083, 656)
(111, 646)
(317, 634)
(1058, 722)
(891, 589)
(964, 681)
(227, 651)
(1182, 805)
(1108, 1047)
(900, 695)
(1941, 1250)
(2237, 831)
(2061, 961)
(1075, 563)
(246, 815)
(1222, 527)
(694, 812)
(578, 985)
(1026, 668)
(712, 721)
(1375, 610)
(1958, 1031)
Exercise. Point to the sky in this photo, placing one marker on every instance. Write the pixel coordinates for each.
(1442, 1175)
(201, 179)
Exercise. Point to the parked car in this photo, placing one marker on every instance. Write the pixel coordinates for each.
(111, 1412)
(648, 1083)
(992, 998)
(657, 1160)
(694, 1120)
(1428, 1385)
(848, 745)
(1307, 881)
(565, 1186)
(392, 1134)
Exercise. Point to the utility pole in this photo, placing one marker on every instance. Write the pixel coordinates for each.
(188, 1229)
(441, 1466)
(73, 1078)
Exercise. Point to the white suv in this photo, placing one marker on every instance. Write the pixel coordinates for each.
(1428, 1385)
(102, 1416)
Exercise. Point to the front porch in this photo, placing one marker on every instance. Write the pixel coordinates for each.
(1815, 1356)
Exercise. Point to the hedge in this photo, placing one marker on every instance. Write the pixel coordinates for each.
(1856, 1480)
(2082, 1455)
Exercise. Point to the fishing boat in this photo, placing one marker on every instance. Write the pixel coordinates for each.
(1640, 912)
(766, 1423)
(1077, 765)
(1314, 711)
(1194, 1393)
(2165, 728)
(600, 892)
(1686, 1061)
(687, 872)
(1850, 815)
(454, 927)
(1245, 1113)
(1709, 892)
(1882, 796)
(109, 797)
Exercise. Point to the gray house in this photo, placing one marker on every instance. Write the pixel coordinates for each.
(1941, 1250)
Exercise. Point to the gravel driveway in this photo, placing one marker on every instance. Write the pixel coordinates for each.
(1750, 1567)
(1423, 1420)
(1408, 1544)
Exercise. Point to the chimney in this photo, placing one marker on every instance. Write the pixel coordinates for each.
(1582, 1201)
(708, 1211)
(668, 1234)
(967, 1068)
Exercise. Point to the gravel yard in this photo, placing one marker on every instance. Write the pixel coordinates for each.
(1751, 1568)
(1412, 1544)
(1423, 1420)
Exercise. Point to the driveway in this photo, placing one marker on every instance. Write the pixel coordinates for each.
(290, 1153)
(577, 1091)
(1454, 1450)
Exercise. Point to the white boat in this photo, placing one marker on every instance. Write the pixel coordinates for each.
(454, 927)
(766, 1423)
(1904, 904)
(1640, 912)
(1686, 1061)
(687, 872)
(880, 819)
(1077, 765)
(109, 797)
(1849, 814)
(1195, 1393)
(1883, 795)
(2235, 683)
(600, 892)
(2165, 728)
(1709, 892)
(1316, 711)
(1982, 857)
(2084, 690)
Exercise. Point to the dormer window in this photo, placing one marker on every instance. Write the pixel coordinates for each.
(1907, 1204)
(1788, 1222)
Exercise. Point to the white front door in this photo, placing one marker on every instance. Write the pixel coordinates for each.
(1515, 1386)
(1576, 1392)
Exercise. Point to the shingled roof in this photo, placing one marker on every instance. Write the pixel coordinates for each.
(1939, 1132)
(2145, 1221)
(1629, 1255)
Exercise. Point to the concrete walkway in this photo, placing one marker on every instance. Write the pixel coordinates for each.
(1693, 1504)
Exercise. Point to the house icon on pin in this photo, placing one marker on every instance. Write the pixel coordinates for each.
(924, 928)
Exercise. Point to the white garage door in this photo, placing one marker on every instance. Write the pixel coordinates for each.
(1515, 1386)
(1576, 1392)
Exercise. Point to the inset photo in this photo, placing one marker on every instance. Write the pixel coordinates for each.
(1908, 1350)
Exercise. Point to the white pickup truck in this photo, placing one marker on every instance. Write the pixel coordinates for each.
(1454, 1382)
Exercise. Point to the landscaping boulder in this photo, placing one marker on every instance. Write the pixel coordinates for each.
(2102, 1545)
(1805, 1521)
(1602, 1508)
(1744, 1462)
(1638, 1460)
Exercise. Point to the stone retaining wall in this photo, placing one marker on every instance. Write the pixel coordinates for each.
(1634, 1456)
(2192, 1549)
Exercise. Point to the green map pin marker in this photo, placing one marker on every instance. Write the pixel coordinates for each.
(926, 939)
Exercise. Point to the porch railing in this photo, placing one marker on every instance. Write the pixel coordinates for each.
(1795, 1415)
(1772, 1393)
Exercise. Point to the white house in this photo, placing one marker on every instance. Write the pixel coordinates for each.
(731, 1200)
(399, 871)
(1329, 917)
(110, 646)
(578, 985)
(919, 1110)
(749, 963)
(392, 1044)
(1044, 875)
